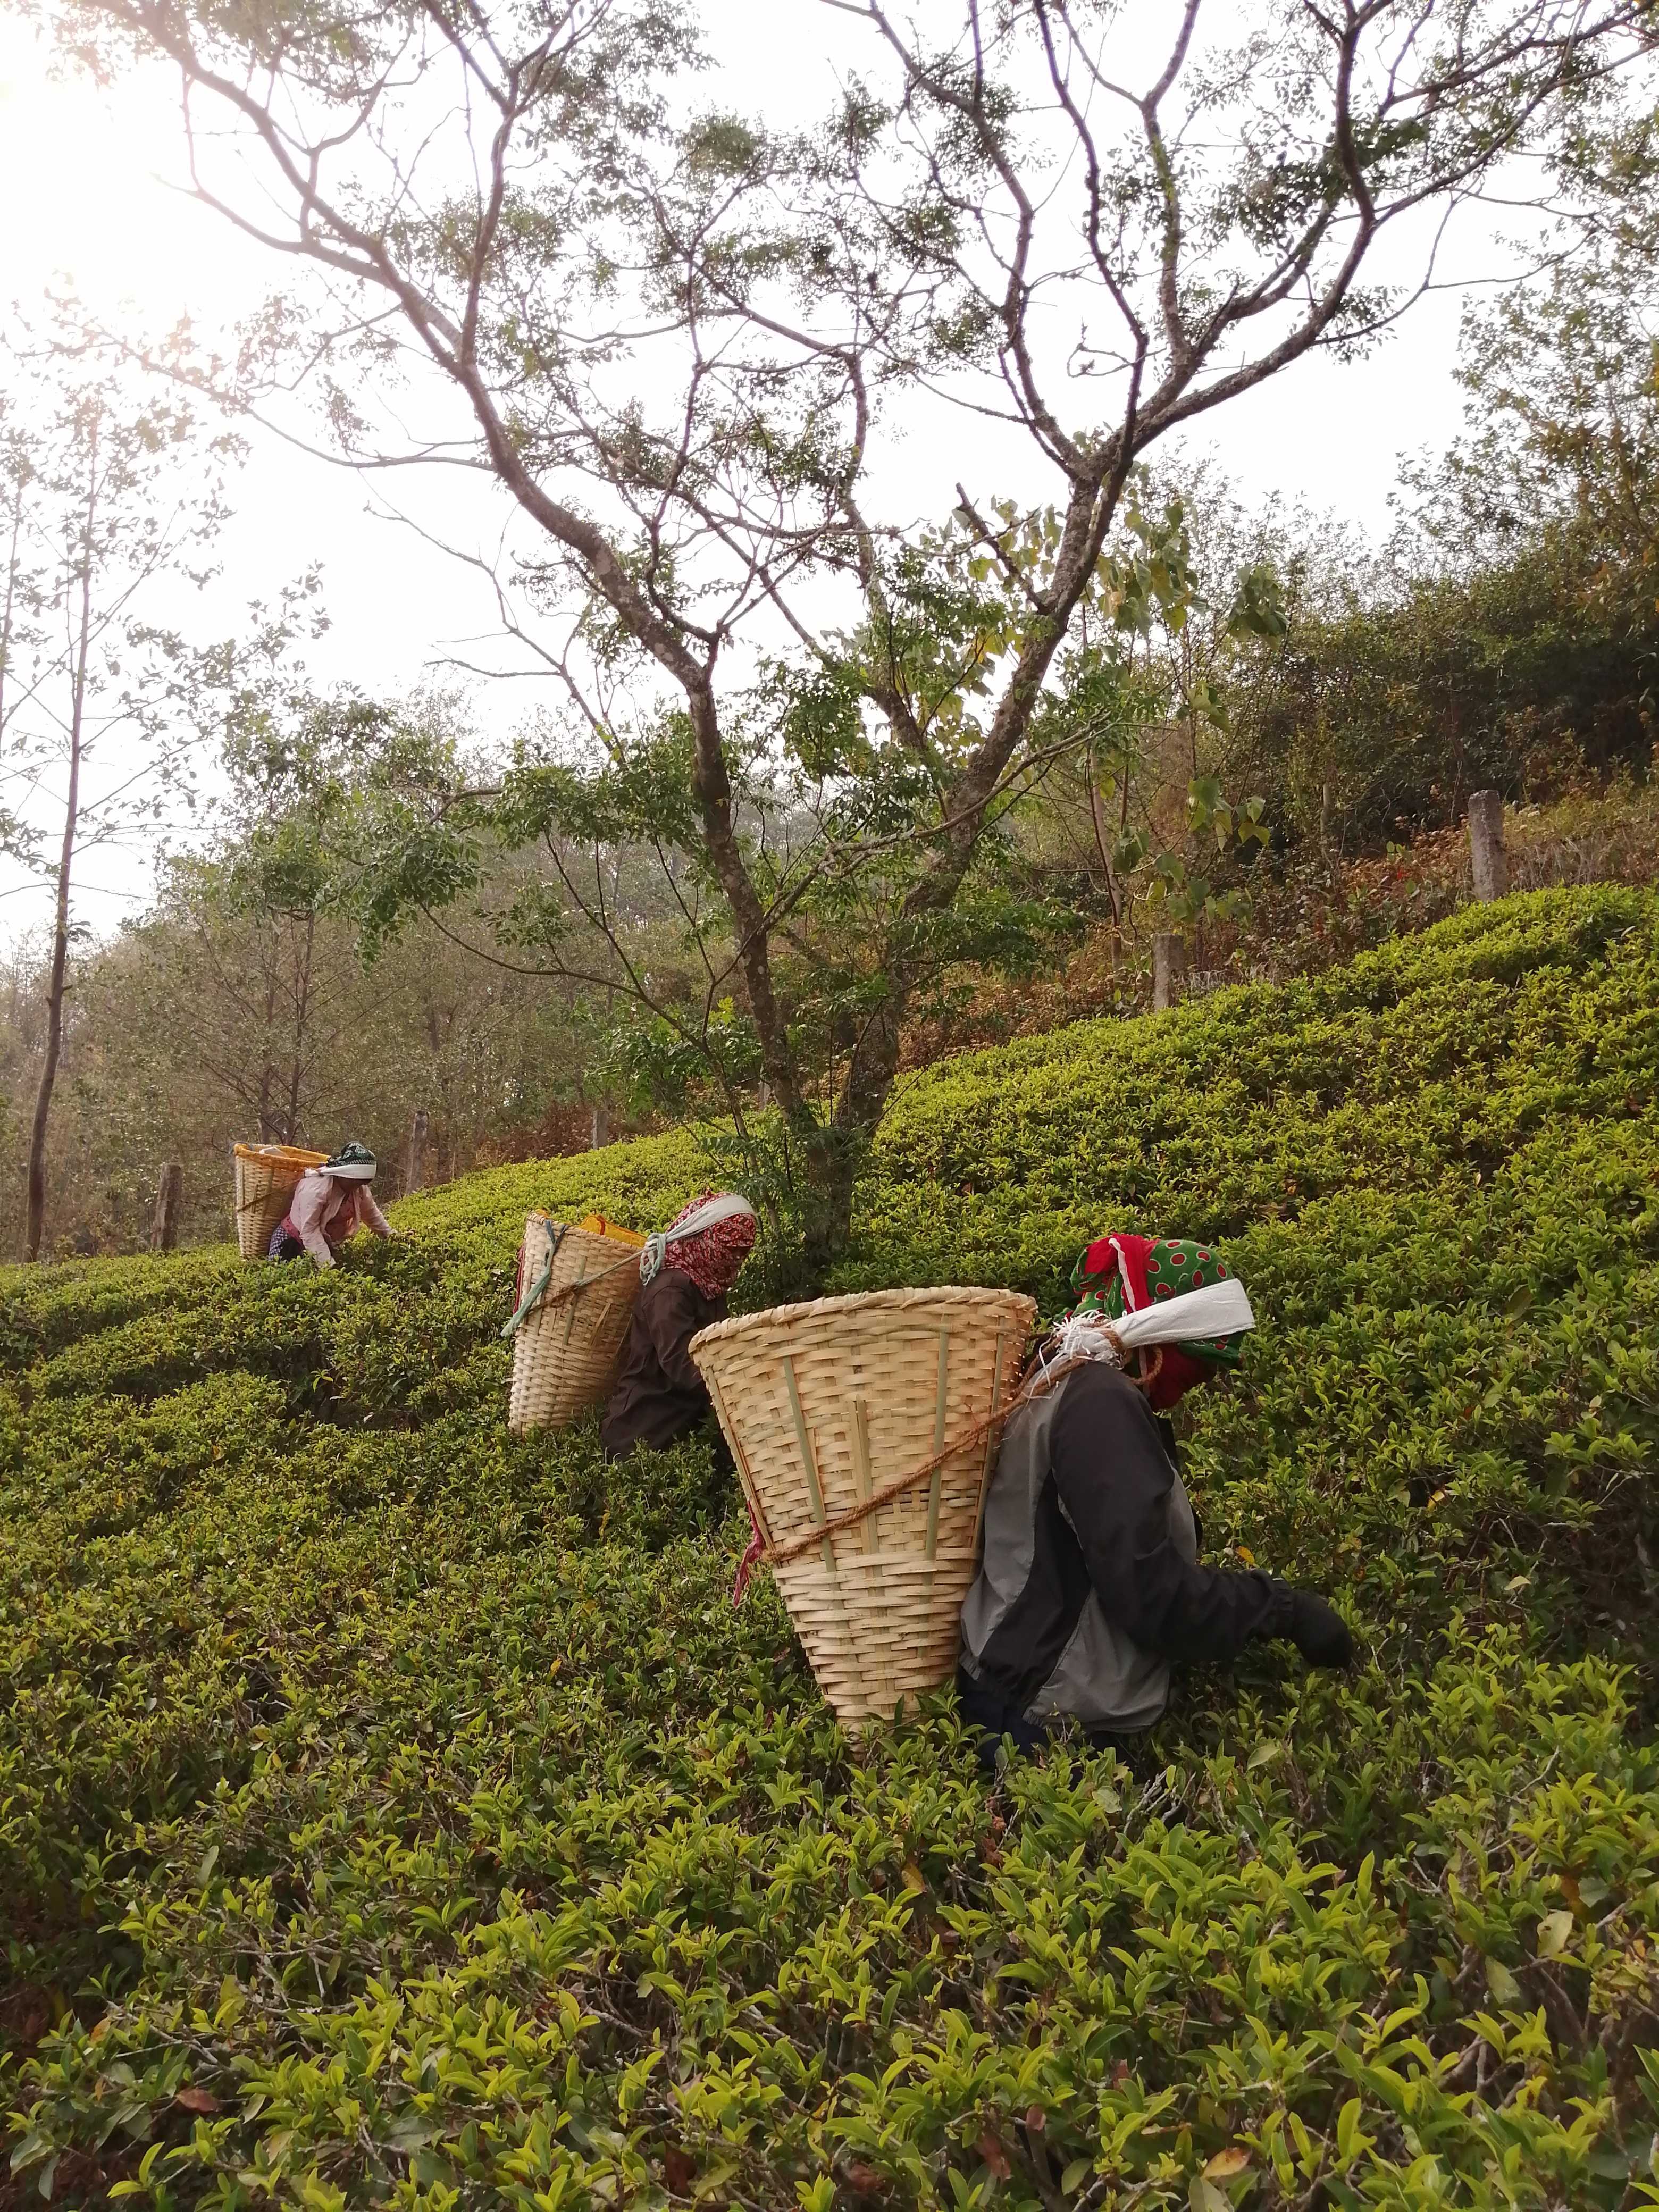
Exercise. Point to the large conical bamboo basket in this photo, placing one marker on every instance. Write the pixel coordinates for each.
(824, 1405)
(266, 1177)
(567, 1348)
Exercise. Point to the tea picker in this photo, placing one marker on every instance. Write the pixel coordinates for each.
(685, 1272)
(330, 1204)
(1090, 1585)
(604, 1316)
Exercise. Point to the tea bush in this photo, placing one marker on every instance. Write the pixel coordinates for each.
(393, 1812)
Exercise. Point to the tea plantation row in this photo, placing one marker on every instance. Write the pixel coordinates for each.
(393, 1813)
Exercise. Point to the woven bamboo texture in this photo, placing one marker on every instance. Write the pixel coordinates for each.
(824, 1404)
(266, 1177)
(566, 1354)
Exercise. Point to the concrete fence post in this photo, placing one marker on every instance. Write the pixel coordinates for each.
(1489, 863)
(1168, 966)
(601, 1132)
(415, 1172)
(164, 1228)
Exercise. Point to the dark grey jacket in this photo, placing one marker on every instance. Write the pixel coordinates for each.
(1090, 1585)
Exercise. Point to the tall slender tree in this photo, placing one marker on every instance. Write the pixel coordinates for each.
(109, 491)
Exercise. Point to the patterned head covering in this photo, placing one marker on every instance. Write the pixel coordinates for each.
(1118, 1275)
(711, 1256)
(353, 1162)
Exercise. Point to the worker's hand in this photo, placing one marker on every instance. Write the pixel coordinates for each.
(1319, 1632)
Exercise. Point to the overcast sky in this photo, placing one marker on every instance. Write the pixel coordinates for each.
(90, 183)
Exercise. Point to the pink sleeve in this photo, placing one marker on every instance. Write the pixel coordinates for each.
(371, 1214)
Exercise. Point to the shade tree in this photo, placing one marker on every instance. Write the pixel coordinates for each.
(682, 343)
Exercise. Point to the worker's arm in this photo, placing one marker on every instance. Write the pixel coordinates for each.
(673, 1313)
(1114, 1480)
(371, 1215)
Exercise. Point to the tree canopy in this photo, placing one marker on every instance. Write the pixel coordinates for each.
(682, 343)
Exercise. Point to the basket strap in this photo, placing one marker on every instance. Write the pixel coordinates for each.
(774, 1555)
(531, 1296)
(539, 1293)
(1036, 1386)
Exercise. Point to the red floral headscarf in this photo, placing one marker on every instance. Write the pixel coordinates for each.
(713, 1257)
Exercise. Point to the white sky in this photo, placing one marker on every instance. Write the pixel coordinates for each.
(86, 178)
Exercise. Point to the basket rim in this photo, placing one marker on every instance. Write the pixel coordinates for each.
(890, 1301)
(626, 1239)
(285, 1154)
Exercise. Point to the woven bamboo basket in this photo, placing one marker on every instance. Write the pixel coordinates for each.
(568, 1346)
(824, 1405)
(266, 1177)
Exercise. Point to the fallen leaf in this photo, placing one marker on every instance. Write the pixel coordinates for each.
(1244, 1553)
(1035, 2118)
(1227, 2163)
(197, 2100)
(866, 2179)
(913, 1876)
(679, 2170)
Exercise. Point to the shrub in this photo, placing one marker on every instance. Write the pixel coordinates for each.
(394, 1812)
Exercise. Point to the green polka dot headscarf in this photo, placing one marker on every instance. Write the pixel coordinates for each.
(1118, 1275)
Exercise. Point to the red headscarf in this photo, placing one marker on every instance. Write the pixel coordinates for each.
(713, 1257)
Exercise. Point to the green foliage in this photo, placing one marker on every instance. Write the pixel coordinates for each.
(1512, 638)
(396, 1812)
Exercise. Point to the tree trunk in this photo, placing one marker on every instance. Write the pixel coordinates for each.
(1168, 966)
(600, 1132)
(415, 1175)
(301, 1021)
(35, 1230)
(1489, 863)
(164, 1229)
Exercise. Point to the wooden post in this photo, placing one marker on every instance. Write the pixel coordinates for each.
(415, 1175)
(164, 1229)
(1489, 863)
(601, 1132)
(1168, 966)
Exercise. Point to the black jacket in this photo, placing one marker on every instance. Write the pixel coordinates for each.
(1091, 1584)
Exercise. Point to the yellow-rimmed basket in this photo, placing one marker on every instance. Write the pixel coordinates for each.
(577, 1286)
(826, 1404)
(266, 1177)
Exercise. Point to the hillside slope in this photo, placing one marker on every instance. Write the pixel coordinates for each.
(390, 1812)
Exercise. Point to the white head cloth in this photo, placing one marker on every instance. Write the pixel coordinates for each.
(726, 1208)
(1218, 1309)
